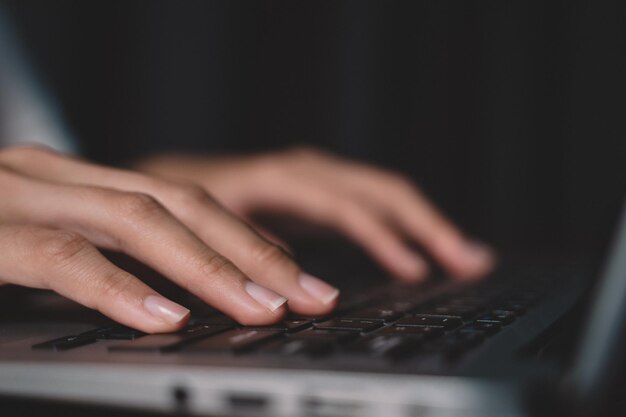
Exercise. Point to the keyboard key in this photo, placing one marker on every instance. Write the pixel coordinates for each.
(503, 313)
(475, 301)
(515, 307)
(421, 333)
(464, 312)
(488, 328)
(171, 341)
(289, 326)
(114, 333)
(317, 319)
(502, 319)
(297, 346)
(385, 345)
(237, 340)
(444, 322)
(351, 325)
(374, 314)
(335, 336)
(218, 319)
(399, 306)
(65, 343)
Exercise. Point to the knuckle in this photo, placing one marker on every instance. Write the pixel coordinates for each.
(138, 207)
(116, 285)
(217, 265)
(267, 254)
(189, 194)
(63, 246)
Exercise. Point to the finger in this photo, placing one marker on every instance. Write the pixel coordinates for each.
(322, 205)
(68, 264)
(369, 230)
(139, 226)
(408, 208)
(272, 238)
(262, 261)
(328, 205)
(388, 194)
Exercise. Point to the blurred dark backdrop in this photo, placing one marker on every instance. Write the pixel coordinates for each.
(510, 114)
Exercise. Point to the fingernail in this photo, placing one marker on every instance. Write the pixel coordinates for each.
(165, 309)
(318, 289)
(264, 296)
(479, 254)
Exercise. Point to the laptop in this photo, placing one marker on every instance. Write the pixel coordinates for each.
(530, 340)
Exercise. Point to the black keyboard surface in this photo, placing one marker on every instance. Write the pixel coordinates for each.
(394, 322)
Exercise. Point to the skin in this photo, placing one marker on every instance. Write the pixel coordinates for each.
(56, 210)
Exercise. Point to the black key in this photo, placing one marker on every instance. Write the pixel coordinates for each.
(515, 307)
(318, 319)
(351, 325)
(421, 333)
(237, 340)
(296, 346)
(65, 343)
(289, 326)
(474, 301)
(374, 314)
(218, 320)
(503, 313)
(501, 319)
(488, 328)
(399, 306)
(114, 333)
(464, 312)
(171, 341)
(335, 336)
(444, 322)
(385, 345)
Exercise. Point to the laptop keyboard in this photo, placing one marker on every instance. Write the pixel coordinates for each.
(394, 322)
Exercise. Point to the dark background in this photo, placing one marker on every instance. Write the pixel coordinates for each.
(510, 114)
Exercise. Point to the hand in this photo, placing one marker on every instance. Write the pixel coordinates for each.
(55, 210)
(376, 208)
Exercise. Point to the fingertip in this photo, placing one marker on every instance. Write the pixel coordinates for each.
(412, 269)
(313, 296)
(264, 296)
(161, 327)
(322, 291)
(165, 315)
(313, 309)
(473, 261)
(165, 309)
(155, 325)
(410, 279)
(260, 318)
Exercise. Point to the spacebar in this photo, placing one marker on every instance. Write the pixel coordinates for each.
(171, 341)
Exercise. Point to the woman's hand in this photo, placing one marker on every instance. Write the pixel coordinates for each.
(55, 210)
(378, 209)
